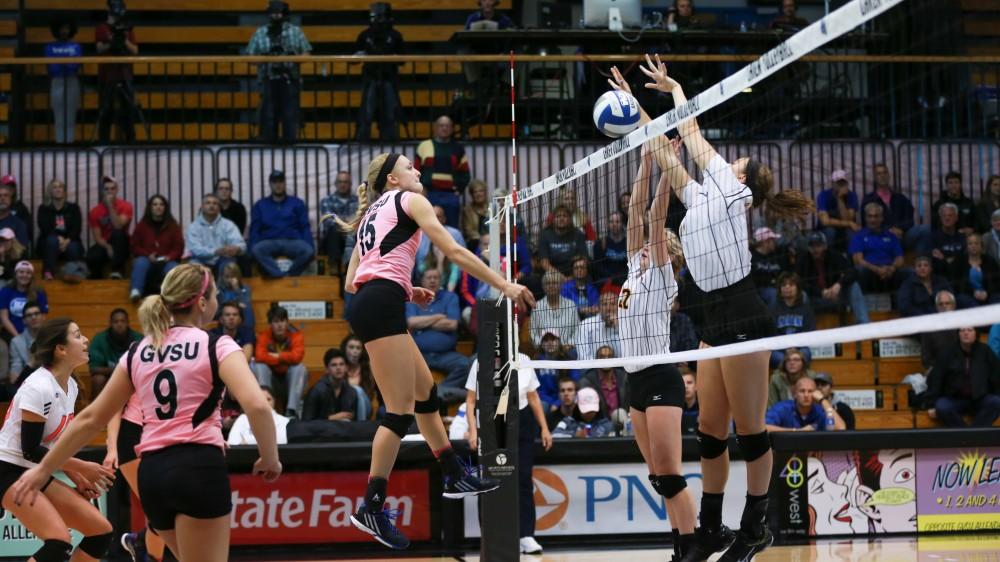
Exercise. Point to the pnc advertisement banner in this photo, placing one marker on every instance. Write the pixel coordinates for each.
(604, 499)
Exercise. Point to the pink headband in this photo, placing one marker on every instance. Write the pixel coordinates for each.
(201, 293)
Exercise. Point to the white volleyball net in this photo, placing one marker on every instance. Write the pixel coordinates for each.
(740, 275)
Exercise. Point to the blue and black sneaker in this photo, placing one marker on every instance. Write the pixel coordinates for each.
(470, 484)
(135, 545)
(380, 526)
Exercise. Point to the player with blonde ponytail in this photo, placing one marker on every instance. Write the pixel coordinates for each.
(178, 373)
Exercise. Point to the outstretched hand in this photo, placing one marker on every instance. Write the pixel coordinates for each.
(521, 296)
(617, 81)
(422, 297)
(657, 72)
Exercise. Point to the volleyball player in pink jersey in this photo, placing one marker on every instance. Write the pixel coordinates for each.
(388, 231)
(178, 371)
(38, 416)
(124, 434)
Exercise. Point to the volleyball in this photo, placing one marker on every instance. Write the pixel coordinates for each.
(616, 113)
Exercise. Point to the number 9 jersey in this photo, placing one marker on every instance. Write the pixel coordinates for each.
(178, 387)
(388, 240)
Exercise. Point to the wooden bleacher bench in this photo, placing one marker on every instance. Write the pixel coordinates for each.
(240, 35)
(879, 419)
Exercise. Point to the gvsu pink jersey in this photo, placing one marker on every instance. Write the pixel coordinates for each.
(388, 239)
(178, 387)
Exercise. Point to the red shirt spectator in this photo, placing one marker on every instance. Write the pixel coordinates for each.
(101, 219)
(167, 241)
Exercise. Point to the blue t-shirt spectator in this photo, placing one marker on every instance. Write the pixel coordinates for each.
(878, 248)
(63, 49)
(583, 297)
(786, 414)
(20, 229)
(827, 201)
(13, 300)
(275, 220)
(502, 21)
(244, 335)
(431, 340)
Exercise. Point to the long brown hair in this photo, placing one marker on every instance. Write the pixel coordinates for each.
(51, 334)
(785, 204)
(363, 199)
(180, 291)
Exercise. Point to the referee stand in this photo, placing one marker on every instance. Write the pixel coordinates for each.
(497, 447)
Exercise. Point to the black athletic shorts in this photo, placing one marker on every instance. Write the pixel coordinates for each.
(378, 310)
(659, 385)
(187, 479)
(733, 314)
(9, 473)
(129, 435)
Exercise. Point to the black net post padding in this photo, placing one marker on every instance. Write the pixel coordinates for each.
(498, 511)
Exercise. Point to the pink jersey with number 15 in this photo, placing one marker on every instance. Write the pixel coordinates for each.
(388, 240)
(178, 387)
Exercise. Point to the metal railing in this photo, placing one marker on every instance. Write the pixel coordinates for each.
(172, 100)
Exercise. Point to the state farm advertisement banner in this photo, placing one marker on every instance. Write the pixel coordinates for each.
(316, 507)
(604, 499)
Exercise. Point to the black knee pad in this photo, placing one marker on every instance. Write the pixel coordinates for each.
(430, 406)
(710, 447)
(96, 546)
(754, 446)
(668, 485)
(398, 423)
(53, 551)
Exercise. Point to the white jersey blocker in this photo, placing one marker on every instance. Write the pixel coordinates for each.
(644, 310)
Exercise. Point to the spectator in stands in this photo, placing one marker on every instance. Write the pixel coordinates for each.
(157, 246)
(212, 239)
(808, 411)
(965, 380)
(424, 249)
(897, 212)
(581, 220)
(559, 243)
(623, 200)
(279, 226)
(21, 363)
(566, 406)
(359, 375)
(581, 290)
(9, 215)
(233, 289)
(242, 434)
(552, 349)
(877, 252)
(609, 254)
(435, 331)
(976, 275)
(444, 169)
(988, 205)
(332, 397)
(59, 225)
(117, 92)
(611, 385)
(824, 384)
(991, 239)
(470, 289)
(230, 208)
(837, 210)
(107, 347)
(451, 274)
(689, 413)
(64, 80)
(783, 378)
(13, 297)
(279, 82)
(475, 214)
(524, 257)
(788, 20)
(767, 263)
(109, 223)
(278, 358)
(554, 311)
(601, 329)
(792, 315)
(917, 292)
(828, 279)
(231, 324)
(682, 16)
(933, 344)
(380, 81)
(339, 245)
(487, 13)
(952, 193)
(11, 252)
(683, 336)
(947, 241)
(17, 207)
(592, 422)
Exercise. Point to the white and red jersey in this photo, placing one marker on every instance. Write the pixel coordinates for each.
(39, 394)
(178, 387)
(388, 240)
